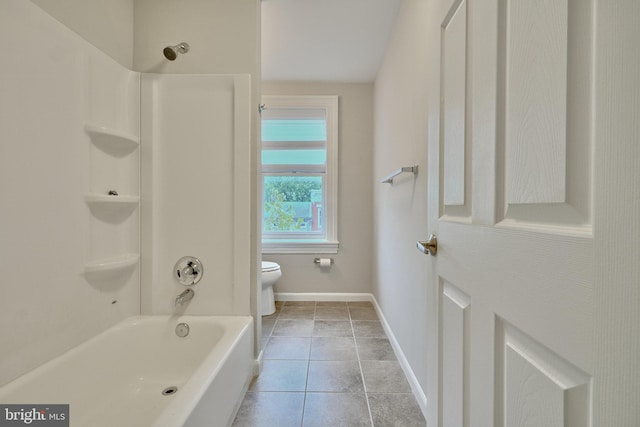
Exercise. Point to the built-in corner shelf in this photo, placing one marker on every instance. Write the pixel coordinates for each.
(114, 228)
(112, 202)
(112, 264)
(112, 141)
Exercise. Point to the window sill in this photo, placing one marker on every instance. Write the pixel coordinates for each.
(299, 247)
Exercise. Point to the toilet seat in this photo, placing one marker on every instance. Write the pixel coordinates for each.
(268, 266)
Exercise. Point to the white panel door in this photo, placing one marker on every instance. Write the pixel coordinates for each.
(534, 190)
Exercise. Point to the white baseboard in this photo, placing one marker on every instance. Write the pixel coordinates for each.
(322, 296)
(419, 394)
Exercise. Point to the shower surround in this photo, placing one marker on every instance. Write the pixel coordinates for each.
(73, 252)
(195, 189)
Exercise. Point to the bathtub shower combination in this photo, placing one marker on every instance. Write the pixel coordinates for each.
(100, 324)
(142, 372)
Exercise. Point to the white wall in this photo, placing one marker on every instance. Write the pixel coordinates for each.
(400, 210)
(223, 35)
(352, 269)
(108, 25)
(52, 85)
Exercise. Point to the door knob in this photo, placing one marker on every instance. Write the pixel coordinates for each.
(430, 246)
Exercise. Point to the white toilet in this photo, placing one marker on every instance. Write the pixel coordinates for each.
(270, 275)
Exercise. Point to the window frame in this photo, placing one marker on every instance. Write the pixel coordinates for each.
(305, 243)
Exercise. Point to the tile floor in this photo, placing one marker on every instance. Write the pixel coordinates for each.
(328, 364)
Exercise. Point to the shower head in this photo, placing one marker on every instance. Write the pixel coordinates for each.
(171, 52)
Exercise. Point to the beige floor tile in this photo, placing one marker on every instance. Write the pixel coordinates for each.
(332, 313)
(335, 376)
(333, 348)
(382, 376)
(332, 328)
(368, 328)
(291, 348)
(270, 409)
(336, 410)
(281, 375)
(395, 410)
(375, 349)
(293, 328)
(363, 313)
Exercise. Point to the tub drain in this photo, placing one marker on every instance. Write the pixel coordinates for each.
(182, 330)
(169, 391)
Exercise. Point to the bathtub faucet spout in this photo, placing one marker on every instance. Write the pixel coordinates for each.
(185, 297)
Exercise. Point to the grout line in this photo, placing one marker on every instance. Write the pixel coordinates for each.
(306, 382)
(364, 385)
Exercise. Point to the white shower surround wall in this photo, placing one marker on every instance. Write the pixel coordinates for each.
(195, 139)
(51, 92)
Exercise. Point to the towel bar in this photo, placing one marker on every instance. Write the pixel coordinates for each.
(389, 178)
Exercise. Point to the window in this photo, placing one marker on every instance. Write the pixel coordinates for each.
(299, 174)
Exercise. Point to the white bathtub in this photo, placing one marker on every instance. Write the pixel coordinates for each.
(117, 377)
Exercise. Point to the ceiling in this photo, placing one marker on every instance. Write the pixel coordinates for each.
(325, 40)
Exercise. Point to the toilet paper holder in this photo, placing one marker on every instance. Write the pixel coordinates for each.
(317, 260)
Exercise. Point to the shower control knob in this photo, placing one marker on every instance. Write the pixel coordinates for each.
(188, 270)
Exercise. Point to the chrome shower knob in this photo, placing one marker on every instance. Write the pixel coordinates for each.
(188, 270)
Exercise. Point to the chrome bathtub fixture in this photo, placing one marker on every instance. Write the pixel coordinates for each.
(171, 52)
(184, 297)
(188, 270)
(182, 330)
